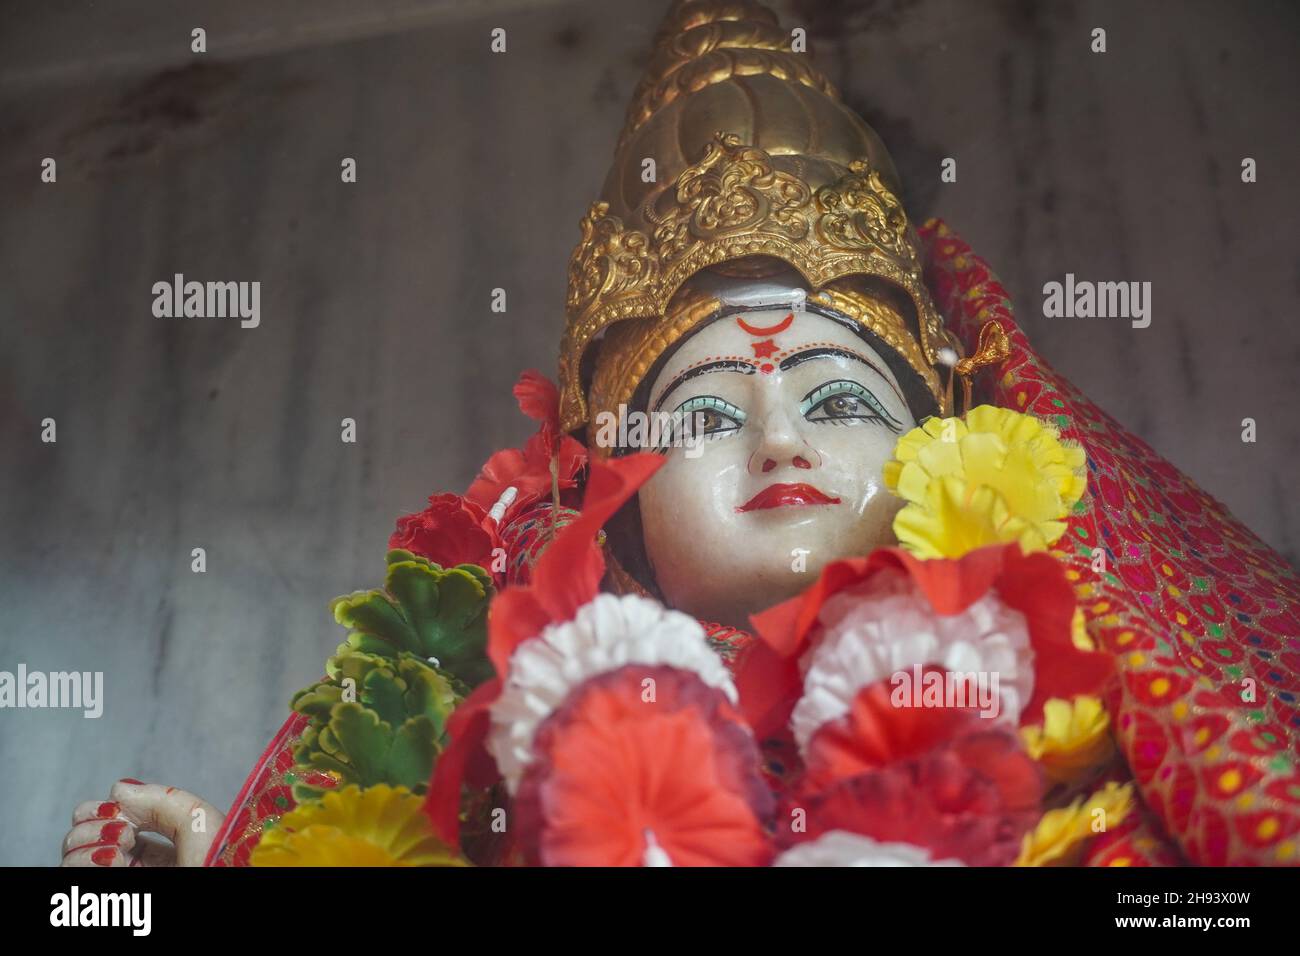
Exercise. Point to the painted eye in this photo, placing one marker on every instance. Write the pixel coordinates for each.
(707, 416)
(845, 402)
(842, 406)
(708, 422)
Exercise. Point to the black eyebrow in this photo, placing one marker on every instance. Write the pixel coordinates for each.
(725, 365)
(807, 355)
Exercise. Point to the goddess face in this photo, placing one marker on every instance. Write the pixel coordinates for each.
(787, 420)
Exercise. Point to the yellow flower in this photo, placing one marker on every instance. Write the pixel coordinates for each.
(1073, 738)
(1079, 635)
(377, 826)
(1059, 837)
(996, 476)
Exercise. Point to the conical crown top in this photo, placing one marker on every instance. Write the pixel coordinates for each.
(728, 65)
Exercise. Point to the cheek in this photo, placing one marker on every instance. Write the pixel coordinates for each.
(690, 496)
(853, 460)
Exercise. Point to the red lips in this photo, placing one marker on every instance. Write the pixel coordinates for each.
(777, 496)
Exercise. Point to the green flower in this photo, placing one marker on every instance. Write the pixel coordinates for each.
(413, 650)
(434, 613)
(375, 720)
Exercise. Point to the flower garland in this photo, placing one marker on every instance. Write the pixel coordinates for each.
(972, 592)
(945, 701)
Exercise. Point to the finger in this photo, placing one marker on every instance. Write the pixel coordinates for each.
(97, 810)
(153, 854)
(188, 821)
(97, 856)
(97, 833)
(150, 806)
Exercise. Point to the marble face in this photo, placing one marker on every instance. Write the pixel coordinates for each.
(792, 416)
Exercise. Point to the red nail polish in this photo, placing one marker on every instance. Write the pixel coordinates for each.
(138, 783)
(103, 857)
(112, 832)
(107, 810)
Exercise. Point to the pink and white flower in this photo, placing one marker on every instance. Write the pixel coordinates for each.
(886, 625)
(606, 634)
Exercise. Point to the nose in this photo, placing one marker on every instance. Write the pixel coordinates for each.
(780, 445)
(799, 461)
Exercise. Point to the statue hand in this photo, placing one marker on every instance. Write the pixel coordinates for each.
(107, 833)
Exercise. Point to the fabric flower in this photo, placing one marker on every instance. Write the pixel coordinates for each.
(605, 634)
(565, 578)
(377, 826)
(940, 779)
(528, 471)
(549, 462)
(995, 477)
(978, 609)
(1073, 738)
(611, 721)
(886, 626)
(841, 848)
(644, 766)
(873, 733)
(1059, 837)
(452, 530)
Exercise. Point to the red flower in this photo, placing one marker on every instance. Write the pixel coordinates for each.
(769, 680)
(618, 781)
(451, 531)
(528, 470)
(566, 577)
(875, 733)
(940, 778)
(539, 399)
(972, 800)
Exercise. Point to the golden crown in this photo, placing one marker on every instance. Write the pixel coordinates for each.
(786, 173)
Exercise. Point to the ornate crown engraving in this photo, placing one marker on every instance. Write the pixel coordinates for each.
(732, 191)
(859, 212)
(732, 204)
(608, 261)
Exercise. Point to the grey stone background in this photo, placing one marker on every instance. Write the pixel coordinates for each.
(473, 172)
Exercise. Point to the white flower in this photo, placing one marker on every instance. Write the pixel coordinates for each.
(886, 626)
(605, 634)
(841, 848)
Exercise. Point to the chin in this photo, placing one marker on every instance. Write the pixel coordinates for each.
(725, 585)
(748, 588)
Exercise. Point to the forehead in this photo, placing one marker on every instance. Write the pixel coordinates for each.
(762, 336)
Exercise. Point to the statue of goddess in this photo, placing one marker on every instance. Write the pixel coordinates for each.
(866, 486)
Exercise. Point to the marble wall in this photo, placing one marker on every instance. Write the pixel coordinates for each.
(473, 170)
